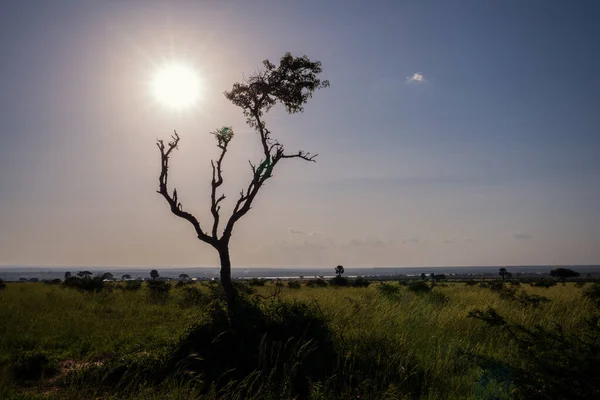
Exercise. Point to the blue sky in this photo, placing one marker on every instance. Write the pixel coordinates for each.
(488, 155)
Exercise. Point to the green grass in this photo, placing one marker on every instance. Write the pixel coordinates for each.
(407, 336)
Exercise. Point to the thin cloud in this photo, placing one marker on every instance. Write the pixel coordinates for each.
(296, 231)
(411, 240)
(417, 77)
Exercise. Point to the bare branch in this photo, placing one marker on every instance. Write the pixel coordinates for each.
(174, 203)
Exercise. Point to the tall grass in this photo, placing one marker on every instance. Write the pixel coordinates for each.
(404, 345)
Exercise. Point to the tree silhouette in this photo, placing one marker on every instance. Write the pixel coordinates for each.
(154, 274)
(84, 274)
(563, 273)
(184, 277)
(423, 276)
(125, 277)
(107, 275)
(339, 270)
(67, 275)
(291, 83)
(503, 273)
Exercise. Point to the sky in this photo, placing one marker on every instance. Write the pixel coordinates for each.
(453, 133)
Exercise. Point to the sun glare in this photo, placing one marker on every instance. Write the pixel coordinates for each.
(176, 86)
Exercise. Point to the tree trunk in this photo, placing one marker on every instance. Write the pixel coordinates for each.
(230, 291)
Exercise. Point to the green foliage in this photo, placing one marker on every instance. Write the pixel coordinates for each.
(316, 283)
(388, 290)
(193, 297)
(340, 281)
(419, 287)
(555, 364)
(257, 282)
(592, 293)
(563, 273)
(158, 290)
(85, 283)
(471, 282)
(133, 285)
(294, 285)
(361, 282)
(544, 283)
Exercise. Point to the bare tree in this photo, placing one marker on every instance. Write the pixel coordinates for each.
(291, 83)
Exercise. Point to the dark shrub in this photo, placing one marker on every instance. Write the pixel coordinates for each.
(438, 298)
(316, 283)
(554, 363)
(2, 284)
(515, 283)
(285, 344)
(484, 285)
(361, 282)
(32, 365)
(579, 284)
(402, 283)
(389, 290)
(592, 293)
(545, 283)
(257, 282)
(193, 296)
(340, 281)
(419, 287)
(293, 284)
(85, 284)
(133, 285)
(158, 290)
(471, 282)
(532, 300)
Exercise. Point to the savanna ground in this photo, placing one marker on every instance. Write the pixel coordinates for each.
(384, 341)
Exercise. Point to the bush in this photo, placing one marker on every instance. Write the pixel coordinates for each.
(2, 284)
(438, 298)
(545, 283)
(32, 365)
(554, 364)
(388, 290)
(284, 345)
(133, 285)
(592, 293)
(256, 282)
(158, 290)
(419, 287)
(579, 284)
(340, 281)
(316, 283)
(293, 284)
(86, 284)
(361, 282)
(193, 296)
(471, 282)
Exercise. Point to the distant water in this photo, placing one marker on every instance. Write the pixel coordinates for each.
(15, 272)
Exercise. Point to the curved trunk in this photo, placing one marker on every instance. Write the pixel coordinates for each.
(230, 291)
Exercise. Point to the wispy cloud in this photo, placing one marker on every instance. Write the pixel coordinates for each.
(522, 236)
(296, 231)
(417, 77)
(411, 240)
(370, 241)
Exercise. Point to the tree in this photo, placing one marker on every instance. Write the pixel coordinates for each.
(423, 276)
(154, 274)
(125, 277)
(432, 276)
(291, 83)
(503, 273)
(107, 275)
(84, 274)
(563, 273)
(184, 277)
(339, 270)
(67, 275)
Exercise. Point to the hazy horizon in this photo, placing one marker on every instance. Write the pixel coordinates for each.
(452, 134)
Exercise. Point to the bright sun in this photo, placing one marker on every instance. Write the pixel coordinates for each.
(176, 86)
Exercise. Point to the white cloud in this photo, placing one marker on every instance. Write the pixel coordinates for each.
(417, 77)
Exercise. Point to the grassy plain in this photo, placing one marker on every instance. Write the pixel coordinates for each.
(417, 345)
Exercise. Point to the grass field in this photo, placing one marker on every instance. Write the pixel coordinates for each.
(390, 342)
